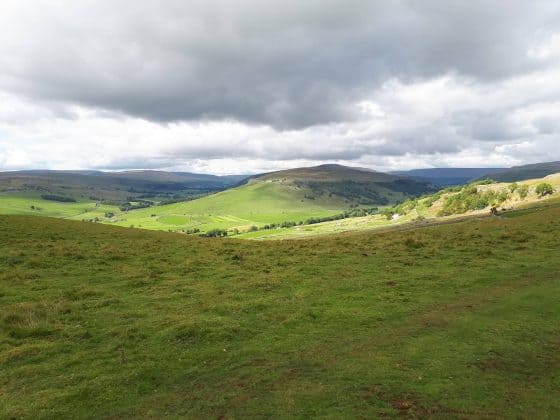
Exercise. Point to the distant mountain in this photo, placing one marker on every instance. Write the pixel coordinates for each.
(520, 173)
(358, 186)
(444, 177)
(328, 172)
(115, 186)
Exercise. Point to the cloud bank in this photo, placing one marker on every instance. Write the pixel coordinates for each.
(245, 86)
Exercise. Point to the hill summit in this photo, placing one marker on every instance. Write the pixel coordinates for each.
(357, 186)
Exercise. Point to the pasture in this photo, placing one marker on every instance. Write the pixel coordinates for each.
(457, 320)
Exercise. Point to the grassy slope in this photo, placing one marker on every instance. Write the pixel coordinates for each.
(81, 209)
(255, 204)
(427, 214)
(284, 196)
(258, 203)
(453, 321)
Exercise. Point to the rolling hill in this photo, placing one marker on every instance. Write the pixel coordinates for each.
(280, 197)
(520, 173)
(117, 187)
(471, 200)
(291, 196)
(356, 186)
(453, 321)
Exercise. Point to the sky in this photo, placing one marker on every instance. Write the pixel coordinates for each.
(246, 86)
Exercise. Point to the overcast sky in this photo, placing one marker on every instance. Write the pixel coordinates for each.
(244, 86)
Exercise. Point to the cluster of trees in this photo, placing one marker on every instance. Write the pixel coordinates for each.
(356, 212)
(544, 189)
(215, 233)
(469, 198)
(60, 198)
(279, 225)
(141, 204)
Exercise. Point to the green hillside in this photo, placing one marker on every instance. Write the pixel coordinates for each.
(471, 200)
(458, 320)
(285, 196)
(242, 207)
(33, 204)
(356, 186)
(114, 187)
(292, 196)
(265, 209)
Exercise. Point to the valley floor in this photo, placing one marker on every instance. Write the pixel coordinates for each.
(456, 320)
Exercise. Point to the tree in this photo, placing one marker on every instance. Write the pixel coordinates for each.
(544, 189)
(215, 233)
(523, 191)
(513, 187)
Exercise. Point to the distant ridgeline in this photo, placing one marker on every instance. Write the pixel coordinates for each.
(520, 173)
(355, 185)
(446, 177)
(119, 188)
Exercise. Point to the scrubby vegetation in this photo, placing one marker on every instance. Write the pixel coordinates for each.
(544, 189)
(470, 198)
(523, 191)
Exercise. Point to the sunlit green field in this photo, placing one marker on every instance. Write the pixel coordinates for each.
(455, 321)
(22, 204)
(256, 204)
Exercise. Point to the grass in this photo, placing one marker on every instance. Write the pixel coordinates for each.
(254, 204)
(456, 320)
(260, 203)
(81, 209)
(430, 209)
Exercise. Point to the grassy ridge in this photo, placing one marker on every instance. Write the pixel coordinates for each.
(254, 204)
(451, 321)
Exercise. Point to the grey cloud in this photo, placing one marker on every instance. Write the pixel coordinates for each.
(287, 64)
(547, 125)
(493, 126)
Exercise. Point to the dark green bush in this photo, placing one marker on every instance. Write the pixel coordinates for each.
(543, 189)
